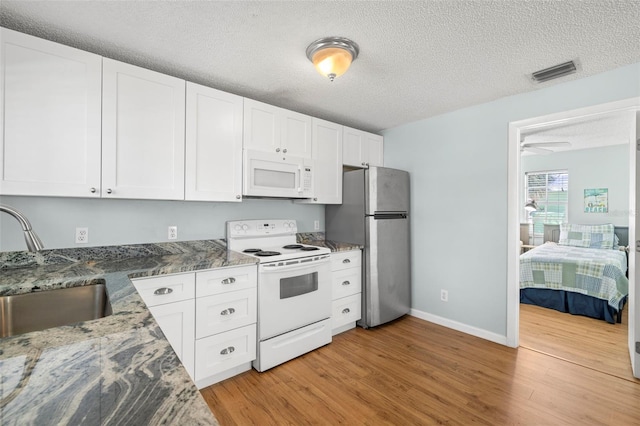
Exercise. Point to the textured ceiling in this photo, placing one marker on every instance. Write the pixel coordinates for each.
(417, 58)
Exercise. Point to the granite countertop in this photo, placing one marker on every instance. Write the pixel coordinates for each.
(115, 370)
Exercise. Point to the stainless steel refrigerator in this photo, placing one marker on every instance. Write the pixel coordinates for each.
(374, 213)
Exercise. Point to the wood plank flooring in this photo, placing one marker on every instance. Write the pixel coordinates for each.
(585, 341)
(415, 372)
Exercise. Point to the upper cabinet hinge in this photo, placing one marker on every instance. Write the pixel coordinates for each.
(638, 347)
(638, 246)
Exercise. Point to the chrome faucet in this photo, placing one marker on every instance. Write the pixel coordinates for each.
(33, 242)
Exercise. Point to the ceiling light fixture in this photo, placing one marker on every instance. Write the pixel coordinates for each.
(332, 56)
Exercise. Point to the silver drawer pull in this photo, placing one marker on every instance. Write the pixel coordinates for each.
(345, 283)
(229, 280)
(163, 290)
(346, 310)
(227, 351)
(346, 261)
(228, 311)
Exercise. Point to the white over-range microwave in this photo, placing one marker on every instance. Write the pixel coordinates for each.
(276, 175)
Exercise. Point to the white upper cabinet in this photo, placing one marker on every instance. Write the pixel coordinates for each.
(271, 129)
(50, 118)
(362, 149)
(213, 145)
(143, 133)
(327, 154)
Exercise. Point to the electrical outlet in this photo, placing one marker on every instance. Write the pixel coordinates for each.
(316, 225)
(82, 235)
(444, 295)
(172, 232)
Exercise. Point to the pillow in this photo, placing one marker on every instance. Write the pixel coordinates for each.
(591, 236)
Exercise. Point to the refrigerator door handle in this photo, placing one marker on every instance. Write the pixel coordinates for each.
(378, 216)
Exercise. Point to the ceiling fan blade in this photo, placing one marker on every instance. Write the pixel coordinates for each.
(545, 144)
(535, 150)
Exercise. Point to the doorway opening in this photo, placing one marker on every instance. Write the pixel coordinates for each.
(556, 137)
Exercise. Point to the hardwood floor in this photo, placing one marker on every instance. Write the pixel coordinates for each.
(415, 372)
(585, 341)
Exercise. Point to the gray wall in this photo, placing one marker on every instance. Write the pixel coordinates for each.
(113, 222)
(458, 164)
(606, 167)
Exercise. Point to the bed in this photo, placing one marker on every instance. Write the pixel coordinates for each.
(580, 269)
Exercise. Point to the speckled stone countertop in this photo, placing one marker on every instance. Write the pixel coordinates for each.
(318, 239)
(115, 370)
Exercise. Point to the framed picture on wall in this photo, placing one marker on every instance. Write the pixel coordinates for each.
(596, 200)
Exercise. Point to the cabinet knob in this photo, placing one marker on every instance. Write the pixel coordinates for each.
(346, 310)
(163, 290)
(238, 197)
(345, 283)
(277, 149)
(346, 261)
(364, 164)
(284, 150)
(315, 199)
(228, 311)
(229, 280)
(109, 191)
(93, 190)
(227, 351)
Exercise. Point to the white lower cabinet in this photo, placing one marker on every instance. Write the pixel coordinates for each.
(346, 273)
(208, 317)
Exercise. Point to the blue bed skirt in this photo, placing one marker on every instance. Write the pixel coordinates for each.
(573, 303)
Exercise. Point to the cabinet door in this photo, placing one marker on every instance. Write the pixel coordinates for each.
(296, 134)
(352, 147)
(50, 118)
(327, 160)
(373, 150)
(213, 145)
(143, 119)
(177, 322)
(261, 126)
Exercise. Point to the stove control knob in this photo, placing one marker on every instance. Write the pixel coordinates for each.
(245, 227)
(238, 227)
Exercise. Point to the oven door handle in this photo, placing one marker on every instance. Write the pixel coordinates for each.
(264, 269)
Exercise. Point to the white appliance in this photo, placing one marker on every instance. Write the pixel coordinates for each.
(277, 175)
(294, 289)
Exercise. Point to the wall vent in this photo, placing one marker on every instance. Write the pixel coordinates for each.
(555, 71)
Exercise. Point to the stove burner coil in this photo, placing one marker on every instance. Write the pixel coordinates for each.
(267, 253)
(251, 250)
(293, 246)
(310, 248)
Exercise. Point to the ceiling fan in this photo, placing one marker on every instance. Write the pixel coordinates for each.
(542, 148)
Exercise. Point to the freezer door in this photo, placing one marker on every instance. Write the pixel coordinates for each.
(387, 273)
(387, 190)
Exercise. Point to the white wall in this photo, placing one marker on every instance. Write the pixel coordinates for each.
(458, 164)
(113, 222)
(606, 167)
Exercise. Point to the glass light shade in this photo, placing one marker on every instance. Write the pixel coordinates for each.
(332, 62)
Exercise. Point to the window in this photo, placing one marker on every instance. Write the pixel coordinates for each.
(546, 201)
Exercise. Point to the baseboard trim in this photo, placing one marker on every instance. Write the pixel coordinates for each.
(464, 328)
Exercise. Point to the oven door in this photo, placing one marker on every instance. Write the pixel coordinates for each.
(293, 295)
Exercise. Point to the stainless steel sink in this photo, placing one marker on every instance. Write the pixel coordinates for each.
(23, 313)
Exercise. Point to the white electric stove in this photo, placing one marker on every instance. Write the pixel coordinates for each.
(294, 289)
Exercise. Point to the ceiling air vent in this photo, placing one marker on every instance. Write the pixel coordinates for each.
(555, 71)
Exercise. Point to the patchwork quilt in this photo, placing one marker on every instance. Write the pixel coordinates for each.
(595, 272)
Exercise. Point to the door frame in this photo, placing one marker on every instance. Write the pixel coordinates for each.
(516, 128)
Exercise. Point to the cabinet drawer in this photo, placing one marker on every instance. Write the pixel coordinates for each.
(222, 312)
(224, 351)
(226, 279)
(166, 289)
(347, 259)
(346, 310)
(346, 283)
